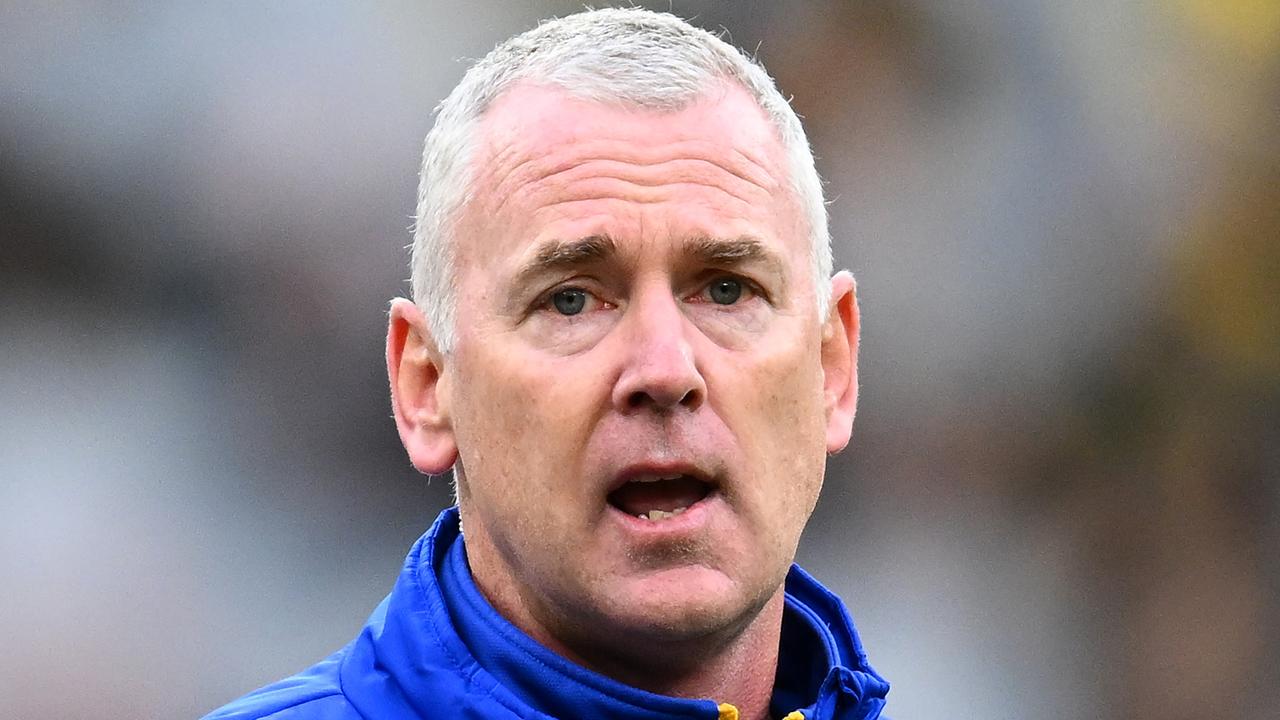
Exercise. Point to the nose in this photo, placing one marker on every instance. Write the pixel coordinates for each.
(659, 371)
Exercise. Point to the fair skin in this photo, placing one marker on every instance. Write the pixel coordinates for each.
(636, 332)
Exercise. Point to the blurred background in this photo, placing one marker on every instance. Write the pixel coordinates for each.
(1062, 498)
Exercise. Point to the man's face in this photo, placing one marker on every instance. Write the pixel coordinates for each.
(636, 391)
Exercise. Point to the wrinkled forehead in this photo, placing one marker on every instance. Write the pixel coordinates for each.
(535, 140)
(534, 119)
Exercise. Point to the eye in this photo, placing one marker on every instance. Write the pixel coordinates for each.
(725, 291)
(569, 301)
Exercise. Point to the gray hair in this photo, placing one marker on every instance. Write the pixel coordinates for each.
(633, 56)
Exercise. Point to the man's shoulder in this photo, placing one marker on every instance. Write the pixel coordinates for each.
(313, 694)
(328, 707)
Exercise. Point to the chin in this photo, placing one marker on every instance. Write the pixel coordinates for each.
(684, 605)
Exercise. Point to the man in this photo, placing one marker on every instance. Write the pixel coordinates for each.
(628, 346)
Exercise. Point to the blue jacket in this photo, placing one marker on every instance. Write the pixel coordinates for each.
(435, 649)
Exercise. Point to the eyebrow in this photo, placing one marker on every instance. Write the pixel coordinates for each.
(732, 251)
(562, 254)
(559, 255)
(573, 252)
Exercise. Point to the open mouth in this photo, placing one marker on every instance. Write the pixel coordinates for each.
(659, 497)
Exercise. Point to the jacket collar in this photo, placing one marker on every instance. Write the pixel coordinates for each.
(437, 609)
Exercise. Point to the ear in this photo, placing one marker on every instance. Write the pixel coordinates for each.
(419, 390)
(840, 361)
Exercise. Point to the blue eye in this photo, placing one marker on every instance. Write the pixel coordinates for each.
(569, 301)
(725, 291)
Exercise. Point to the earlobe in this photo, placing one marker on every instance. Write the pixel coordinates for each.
(419, 390)
(840, 361)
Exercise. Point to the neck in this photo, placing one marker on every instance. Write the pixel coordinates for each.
(735, 665)
(739, 671)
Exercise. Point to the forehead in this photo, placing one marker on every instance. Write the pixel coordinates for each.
(544, 158)
(537, 117)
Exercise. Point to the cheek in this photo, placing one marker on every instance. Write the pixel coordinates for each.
(520, 423)
(786, 439)
(791, 390)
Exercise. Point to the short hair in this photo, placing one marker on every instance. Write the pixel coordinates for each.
(630, 56)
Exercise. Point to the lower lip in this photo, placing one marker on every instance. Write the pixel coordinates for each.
(693, 518)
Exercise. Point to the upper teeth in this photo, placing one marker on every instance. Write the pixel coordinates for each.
(661, 514)
(655, 478)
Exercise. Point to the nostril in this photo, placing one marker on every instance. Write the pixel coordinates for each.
(663, 381)
(640, 399)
